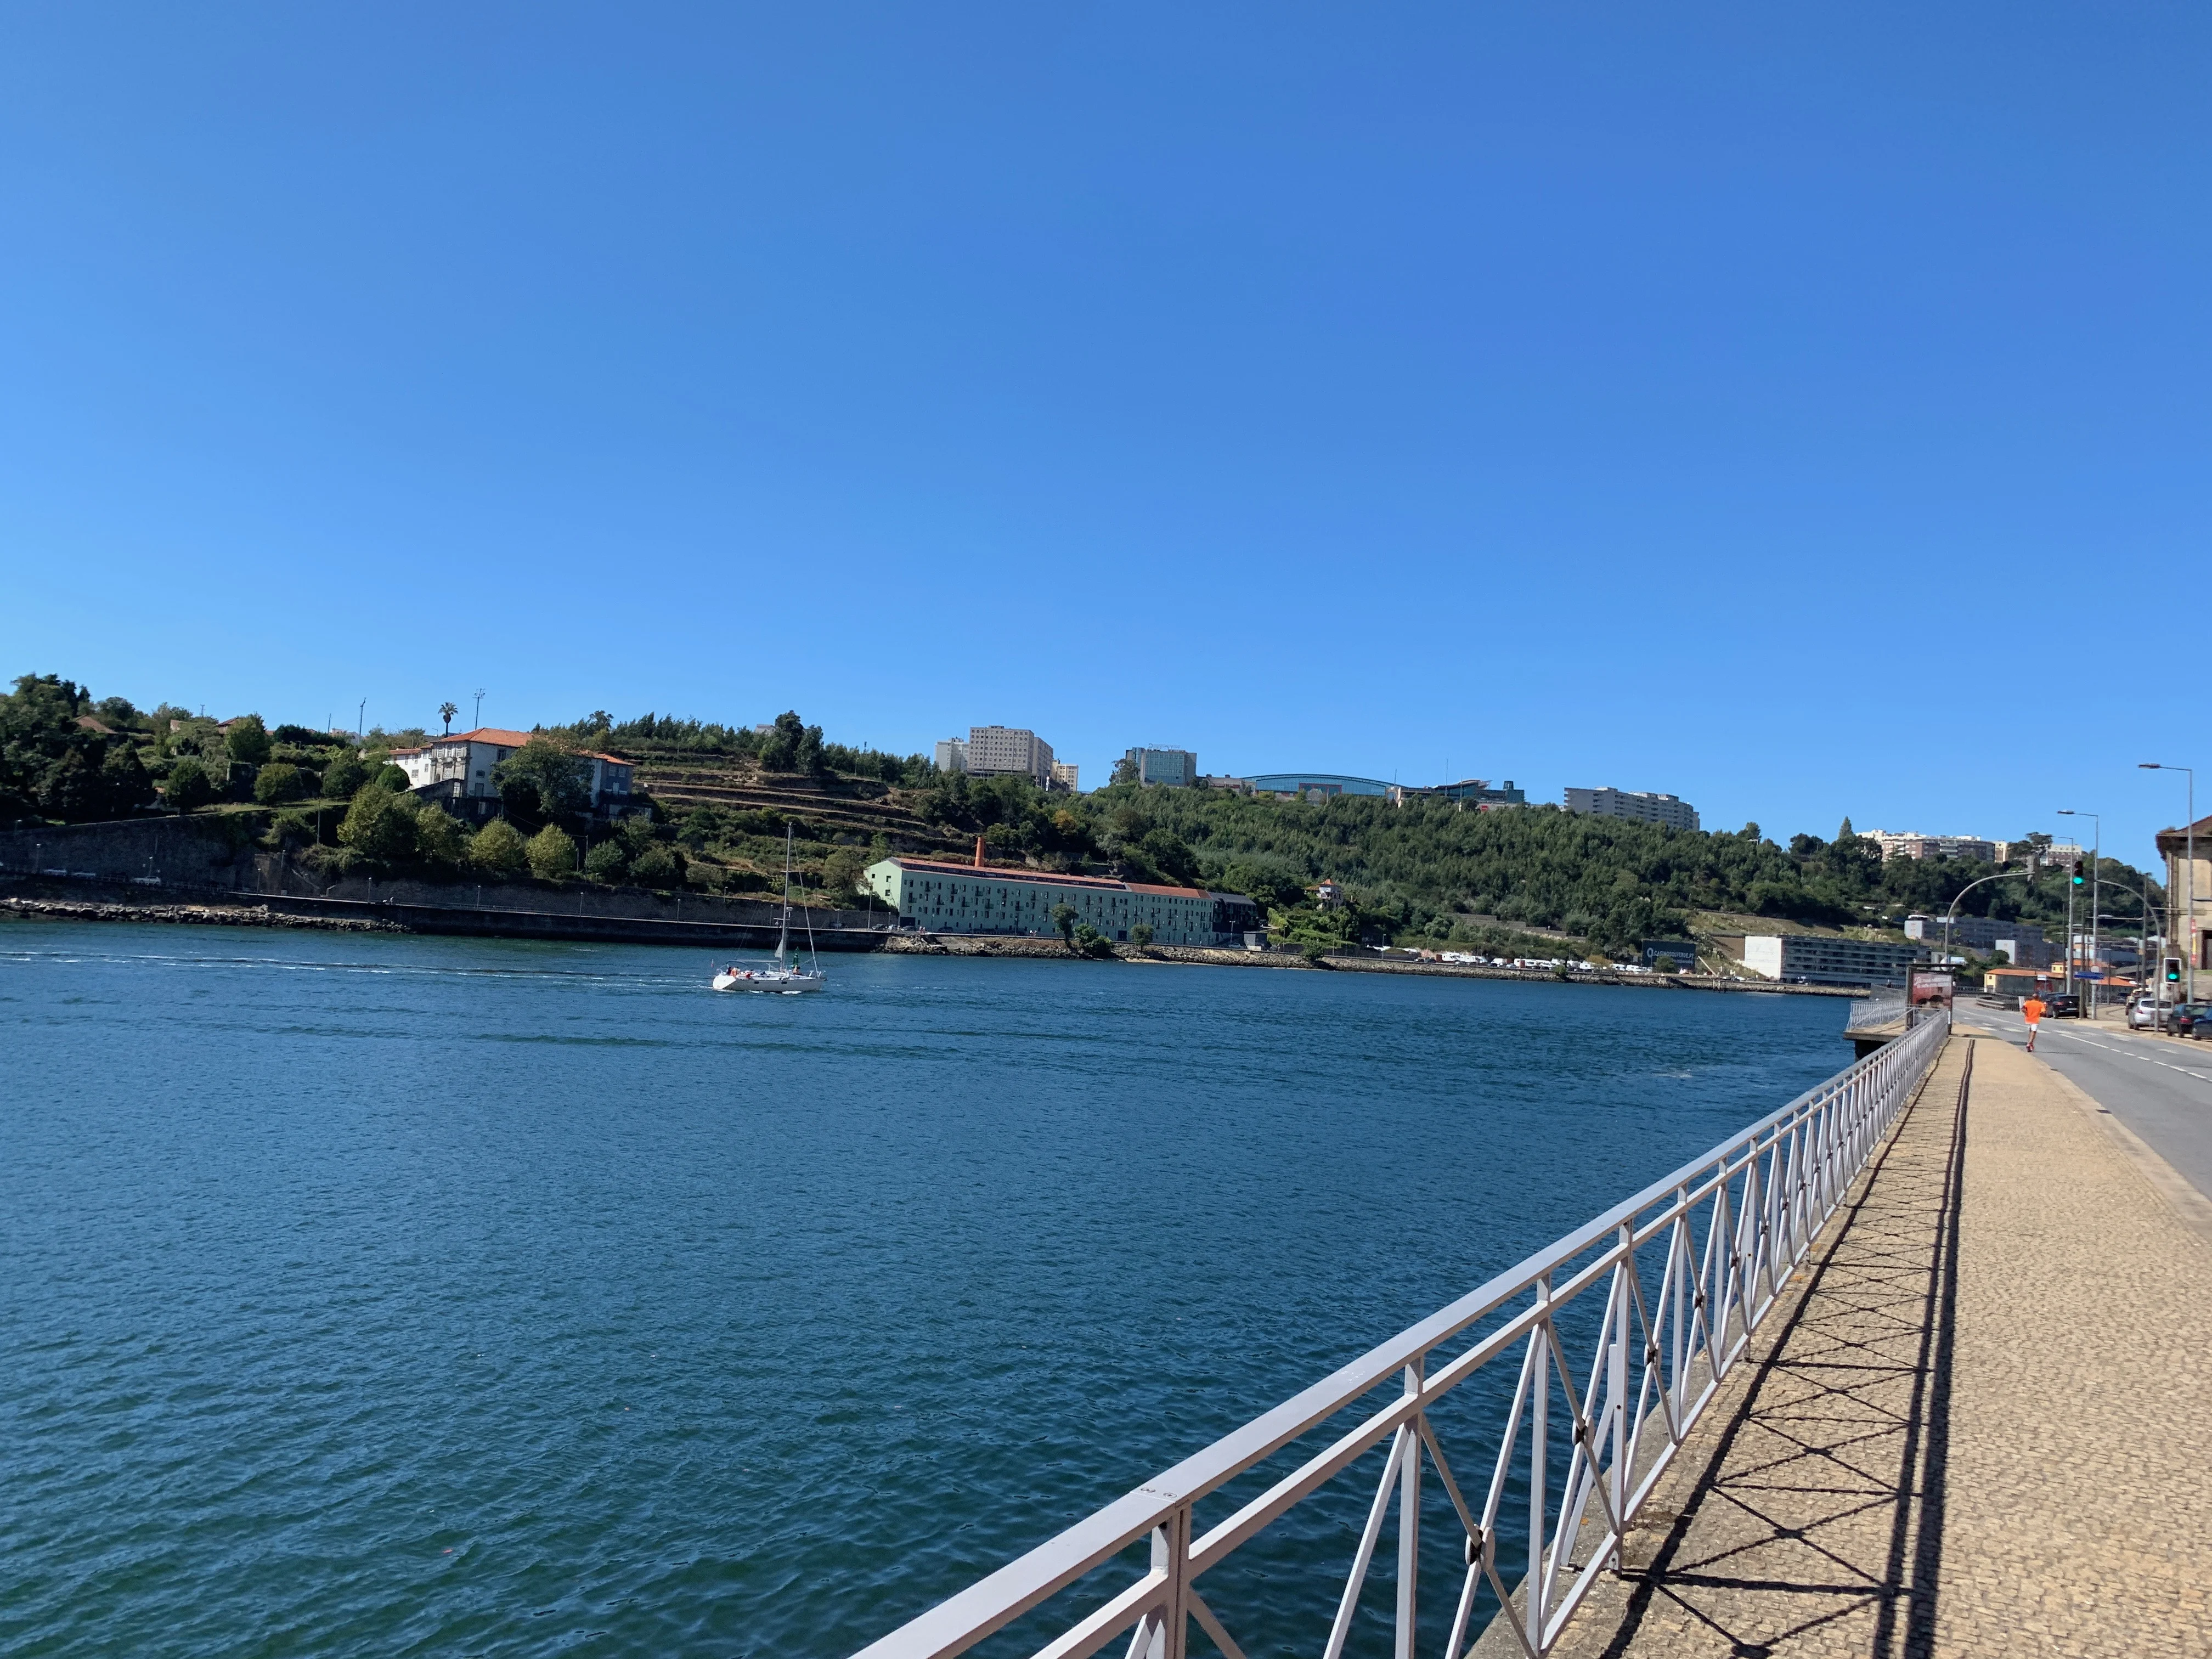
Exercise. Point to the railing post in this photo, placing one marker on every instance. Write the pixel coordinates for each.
(1617, 1379)
(1171, 1555)
(1409, 1523)
(1538, 1400)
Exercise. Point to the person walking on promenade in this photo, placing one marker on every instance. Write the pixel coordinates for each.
(2031, 1012)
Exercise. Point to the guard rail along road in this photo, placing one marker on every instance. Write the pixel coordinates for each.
(1621, 1335)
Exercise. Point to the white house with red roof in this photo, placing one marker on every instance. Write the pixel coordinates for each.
(456, 770)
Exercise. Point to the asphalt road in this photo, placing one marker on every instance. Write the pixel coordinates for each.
(2159, 1088)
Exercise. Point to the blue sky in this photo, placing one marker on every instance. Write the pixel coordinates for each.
(1567, 393)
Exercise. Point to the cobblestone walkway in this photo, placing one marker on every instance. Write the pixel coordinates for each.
(1986, 1429)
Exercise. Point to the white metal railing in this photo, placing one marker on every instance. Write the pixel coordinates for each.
(1687, 1269)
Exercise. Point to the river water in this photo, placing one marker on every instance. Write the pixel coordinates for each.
(391, 1295)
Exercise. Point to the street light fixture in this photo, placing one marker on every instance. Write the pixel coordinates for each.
(2189, 877)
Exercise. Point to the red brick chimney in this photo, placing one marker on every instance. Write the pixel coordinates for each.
(979, 852)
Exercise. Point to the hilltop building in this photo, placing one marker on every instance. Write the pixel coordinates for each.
(961, 898)
(456, 771)
(1911, 844)
(1671, 811)
(991, 751)
(1476, 791)
(1174, 769)
(1292, 785)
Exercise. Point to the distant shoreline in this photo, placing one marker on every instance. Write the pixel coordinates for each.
(245, 912)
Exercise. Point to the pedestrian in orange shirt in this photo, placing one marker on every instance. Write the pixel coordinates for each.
(2031, 1012)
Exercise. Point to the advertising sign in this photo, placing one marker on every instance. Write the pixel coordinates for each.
(1930, 988)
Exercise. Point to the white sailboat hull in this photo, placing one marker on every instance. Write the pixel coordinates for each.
(769, 982)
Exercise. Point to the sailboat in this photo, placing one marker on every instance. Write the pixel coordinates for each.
(786, 977)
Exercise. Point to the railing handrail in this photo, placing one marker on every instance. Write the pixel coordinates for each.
(1003, 1596)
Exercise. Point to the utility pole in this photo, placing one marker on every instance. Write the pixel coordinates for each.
(2096, 857)
(361, 726)
(2189, 872)
(479, 706)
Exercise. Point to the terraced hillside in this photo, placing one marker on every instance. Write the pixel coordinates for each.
(826, 810)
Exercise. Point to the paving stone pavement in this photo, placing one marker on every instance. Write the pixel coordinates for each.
(1985, 1429)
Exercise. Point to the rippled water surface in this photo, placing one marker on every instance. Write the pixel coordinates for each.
(389, 1295)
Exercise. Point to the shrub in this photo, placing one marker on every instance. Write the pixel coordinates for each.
(278, 783)
(604, 862)
(379, 824)
(290, 828)
(551, 854)
(188, 788)
(391, 777)
(658, 866)
(498, 849)
(439, 837)
(1140, 935)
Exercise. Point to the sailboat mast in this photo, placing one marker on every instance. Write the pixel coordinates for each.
(783, 933)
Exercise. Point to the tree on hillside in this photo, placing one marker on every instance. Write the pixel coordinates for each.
(247, 740)
(187, 788)
(343, 776)
(542, 780)
(497, 849)
(659, 867)
(124, 781)
(439, 837)
(446, 713)
(552, 854)
(778, 749)
(277, 782)
(378, 823)
(71, 790)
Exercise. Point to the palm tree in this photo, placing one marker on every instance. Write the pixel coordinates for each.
(446, 713)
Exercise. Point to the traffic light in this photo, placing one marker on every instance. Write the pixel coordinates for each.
(2073, 872)
(2173, 970)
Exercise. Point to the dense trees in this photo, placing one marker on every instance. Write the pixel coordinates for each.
(62, 755)
(543, 780)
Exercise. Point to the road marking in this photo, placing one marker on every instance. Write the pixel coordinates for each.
(2072, 1036)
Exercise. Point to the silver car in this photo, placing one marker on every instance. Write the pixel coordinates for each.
(2148, 1011)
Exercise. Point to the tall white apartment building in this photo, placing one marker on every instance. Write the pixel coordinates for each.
(996, 750)
(1608, 803)
(1911, 844)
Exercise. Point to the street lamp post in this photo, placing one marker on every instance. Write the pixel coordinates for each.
(1952, 914)
(2096, 858)
(2189, 876)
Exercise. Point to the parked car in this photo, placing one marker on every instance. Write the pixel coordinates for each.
(2191, 1019)
(2150, 1012)
(2064, 1005)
